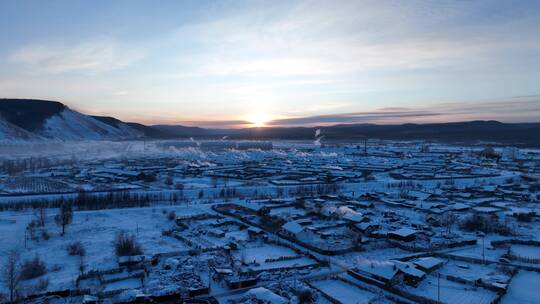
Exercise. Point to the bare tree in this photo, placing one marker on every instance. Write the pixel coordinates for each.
(11, 274)
(42, 215)
(65, 217)
(367, 174)
(448, 220)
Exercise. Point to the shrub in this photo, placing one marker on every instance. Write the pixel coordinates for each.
(32, 269)
(486, 224)
(525, 217)
(305, 296)
(45, 235)
(76, 248)
(126, 245)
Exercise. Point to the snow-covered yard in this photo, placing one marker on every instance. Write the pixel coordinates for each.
(96, 231)
(452, 292)
(343, 292)
(523, 289)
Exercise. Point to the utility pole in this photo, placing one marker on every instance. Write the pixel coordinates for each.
(209, 277)
(438, 287)
(365, 145)
(483, 235)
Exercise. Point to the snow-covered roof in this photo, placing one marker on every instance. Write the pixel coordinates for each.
(404, 232)
(264, 294)
(386, 270)
(460, 206)
(409, 269)
(428, 262)
(292, 227)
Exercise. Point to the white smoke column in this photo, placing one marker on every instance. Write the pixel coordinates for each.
(318, 138)
(196, 142)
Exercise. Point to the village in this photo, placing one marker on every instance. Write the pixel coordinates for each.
(273, 222)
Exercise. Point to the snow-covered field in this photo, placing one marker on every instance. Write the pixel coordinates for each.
(96, 230)
(344, 292)
(451, 292)
(524, 289)
(257, 237)
(524, 251)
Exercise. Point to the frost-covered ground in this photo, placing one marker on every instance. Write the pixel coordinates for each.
(96, 230)
(523, 289)
(403, 187)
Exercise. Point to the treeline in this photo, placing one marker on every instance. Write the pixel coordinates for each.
(14, 166)
(87, 201)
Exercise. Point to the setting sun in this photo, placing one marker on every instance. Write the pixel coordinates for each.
(258, 119)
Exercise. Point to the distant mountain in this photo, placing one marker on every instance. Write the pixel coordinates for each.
(463, 132)
(29, 114)
(183, 131)
(30, 119)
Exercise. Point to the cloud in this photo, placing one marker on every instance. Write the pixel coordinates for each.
(323, 38)
(219, 124)
(360, 117)
(508, 110)
(91, 57)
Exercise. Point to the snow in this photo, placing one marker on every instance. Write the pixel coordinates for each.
(427, 262)
(343, 292)
(71, 125)
(523, 289)
(264, 294)
(404, 232)
(96, 230)
(293, 227)
(452, 292)
(530, 252)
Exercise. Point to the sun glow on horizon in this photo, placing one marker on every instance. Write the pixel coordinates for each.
(258, 119)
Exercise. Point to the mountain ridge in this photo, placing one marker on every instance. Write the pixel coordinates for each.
(36, 119)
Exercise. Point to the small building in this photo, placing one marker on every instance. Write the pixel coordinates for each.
(428, 264)
(296, 230)
(130, 260)
(411, 275)
(240, 282)
(403, 234)
(265, 296)
(383, 272)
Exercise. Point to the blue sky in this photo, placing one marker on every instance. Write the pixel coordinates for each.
(221, 63)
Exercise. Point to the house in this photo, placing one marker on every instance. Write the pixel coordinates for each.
(234, 282)
(411, 275)
(297, 230)
(417, 195)
(428, 264)
(403, 234)
(265, 296)
(254, 232)
(459, 207)
(367, 227)
(130, 260)
(362, 204)
(382, 272)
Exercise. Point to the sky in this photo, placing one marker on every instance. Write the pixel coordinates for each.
(276, 63)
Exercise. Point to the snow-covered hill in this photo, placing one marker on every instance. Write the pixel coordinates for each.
(71, 125)
(12, 133)
(40, 120)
